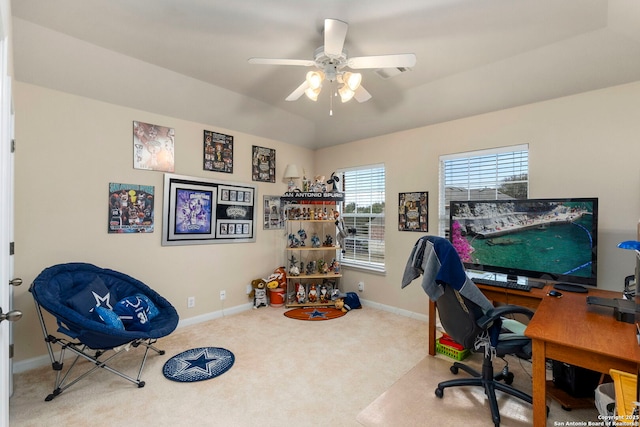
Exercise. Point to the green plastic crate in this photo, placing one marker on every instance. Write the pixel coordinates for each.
(451, 352)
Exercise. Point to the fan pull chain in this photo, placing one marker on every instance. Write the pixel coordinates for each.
(331, 105)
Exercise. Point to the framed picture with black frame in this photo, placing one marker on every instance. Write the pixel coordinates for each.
(204, 211)
(413, 211)
(218, 152)
(263, 164)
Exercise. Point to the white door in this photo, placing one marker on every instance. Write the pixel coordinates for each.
(7, 316)
(6, 218)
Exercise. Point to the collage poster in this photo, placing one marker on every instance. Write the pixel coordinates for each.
(130, 208)
(263, 164)
(218, 152)
(153, 147)
(413, 212)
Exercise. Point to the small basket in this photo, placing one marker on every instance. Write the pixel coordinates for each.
(451, 352)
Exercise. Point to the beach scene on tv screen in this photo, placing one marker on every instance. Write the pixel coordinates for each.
(552, 237)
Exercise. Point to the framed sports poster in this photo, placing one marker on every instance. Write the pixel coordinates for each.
(273, 213)
(130, 208)
(204, 211)
(218, 152)
(263, 164)
(413, 211)
(153, 147)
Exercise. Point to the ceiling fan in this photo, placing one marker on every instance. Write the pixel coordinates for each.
(331, 61)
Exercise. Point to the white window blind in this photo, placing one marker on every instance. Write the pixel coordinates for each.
(482, 175)
(363, 214)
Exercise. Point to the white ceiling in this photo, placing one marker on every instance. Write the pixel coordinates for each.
(473, 56)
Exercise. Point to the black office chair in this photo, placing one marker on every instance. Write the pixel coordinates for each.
(468, 325)
(470, 319)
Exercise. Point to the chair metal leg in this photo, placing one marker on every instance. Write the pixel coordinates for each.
(99, 359)
(490, 391)
(487, 381)
(468, 369)
(514, 392)
(61, 383)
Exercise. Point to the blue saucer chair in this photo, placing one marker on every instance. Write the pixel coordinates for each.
(99, 313)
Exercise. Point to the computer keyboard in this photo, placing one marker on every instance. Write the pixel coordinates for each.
(502, 284)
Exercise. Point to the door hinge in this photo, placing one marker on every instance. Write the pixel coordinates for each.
(13, 145)
(12, 248)
(10, 351)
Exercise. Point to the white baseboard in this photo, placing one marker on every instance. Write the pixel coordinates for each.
(44, 360)
(29, 364)
(215, 315)
(39, 361)
(395, 310)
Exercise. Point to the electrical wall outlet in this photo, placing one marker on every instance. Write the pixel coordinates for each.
(223, 295)
(361, 286)
(191, 302)
(249, 289)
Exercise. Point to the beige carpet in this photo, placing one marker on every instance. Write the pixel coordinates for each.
(286, 372)
(411, 401)
(366, 368)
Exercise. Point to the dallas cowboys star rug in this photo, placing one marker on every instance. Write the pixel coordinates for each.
(317, 313)
(198, 364)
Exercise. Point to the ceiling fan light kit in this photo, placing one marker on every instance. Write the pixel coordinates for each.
(331, 59)
(352, 80)
(349, 83)
(312, 94)
(315, 78)
(345, 93)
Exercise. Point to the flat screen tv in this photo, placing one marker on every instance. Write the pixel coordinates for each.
(547, 239)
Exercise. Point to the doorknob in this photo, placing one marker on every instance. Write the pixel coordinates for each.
(15, 282)
(11, 316)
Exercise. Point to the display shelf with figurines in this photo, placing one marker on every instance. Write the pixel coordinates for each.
(312, 250)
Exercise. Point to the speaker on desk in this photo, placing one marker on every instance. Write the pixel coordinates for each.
(576, 381)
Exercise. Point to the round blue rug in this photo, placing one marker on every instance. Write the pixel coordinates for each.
(198, 364)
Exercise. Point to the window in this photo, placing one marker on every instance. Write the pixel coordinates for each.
(363, 215)
(483, 175)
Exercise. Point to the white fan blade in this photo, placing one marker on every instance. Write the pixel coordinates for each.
(335, 32)
(275, 61)
(382, 61)
(362, 95)
(298, 92)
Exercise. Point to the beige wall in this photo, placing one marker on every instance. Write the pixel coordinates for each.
(70, 148)
(579, 146)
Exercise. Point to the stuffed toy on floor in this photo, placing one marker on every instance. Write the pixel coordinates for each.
(259, 293)
(346, 301)
(278, 279)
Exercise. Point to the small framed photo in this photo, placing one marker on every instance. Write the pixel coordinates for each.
(263, 164)
(218, 152)
(413, 211)
(273, 213)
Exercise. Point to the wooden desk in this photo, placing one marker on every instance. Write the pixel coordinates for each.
(566, 329)
(529, 299)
